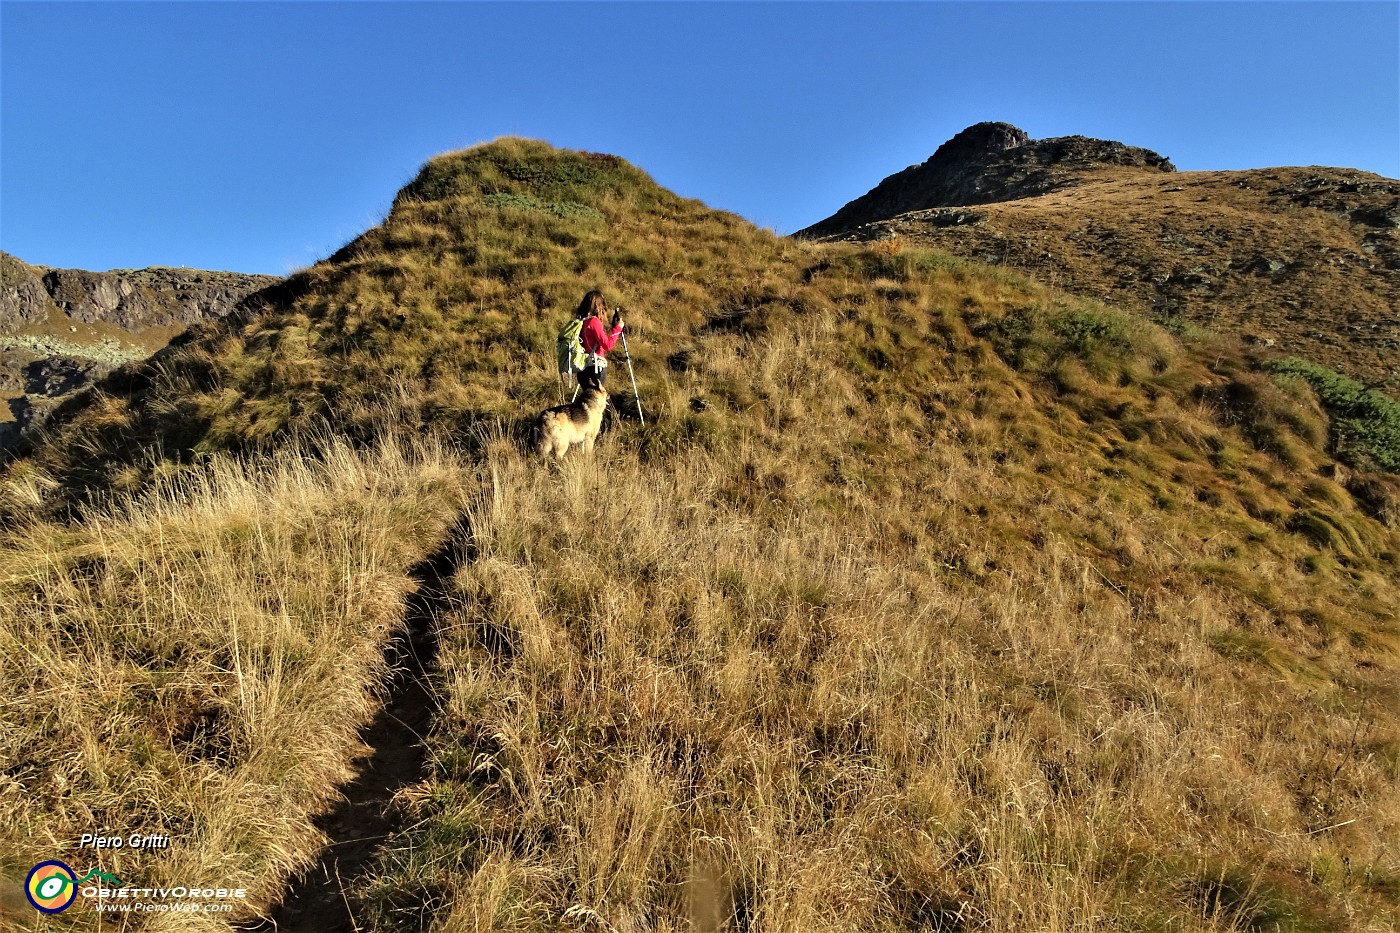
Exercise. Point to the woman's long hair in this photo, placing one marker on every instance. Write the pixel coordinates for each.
(591, 304)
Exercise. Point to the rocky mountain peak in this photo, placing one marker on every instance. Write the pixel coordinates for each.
(986, 163)
(976, 144)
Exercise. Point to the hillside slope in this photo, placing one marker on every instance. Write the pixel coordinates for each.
(1303, 260)
(929, 597)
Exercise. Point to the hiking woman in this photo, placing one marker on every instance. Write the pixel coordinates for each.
(596, 340)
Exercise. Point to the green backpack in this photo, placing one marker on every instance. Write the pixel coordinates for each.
(570, 347)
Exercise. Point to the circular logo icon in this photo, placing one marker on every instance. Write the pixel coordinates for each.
(51, 886)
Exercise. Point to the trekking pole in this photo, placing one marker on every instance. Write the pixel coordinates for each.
(635, 394)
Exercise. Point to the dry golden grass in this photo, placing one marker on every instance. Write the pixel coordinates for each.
(665, 704)
(929, 598)
(1282, 254)
(997, 668)
(195, 661)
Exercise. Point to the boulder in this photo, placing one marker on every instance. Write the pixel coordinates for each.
(58, 375)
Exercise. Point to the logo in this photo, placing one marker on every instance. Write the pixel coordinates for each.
(52, 886)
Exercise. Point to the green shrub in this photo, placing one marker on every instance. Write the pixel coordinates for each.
(557, 208)
(1365, 422)
(1109, 343)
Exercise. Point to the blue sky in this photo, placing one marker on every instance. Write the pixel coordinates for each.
(262, 136)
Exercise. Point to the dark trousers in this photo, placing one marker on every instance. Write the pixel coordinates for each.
(590, 376)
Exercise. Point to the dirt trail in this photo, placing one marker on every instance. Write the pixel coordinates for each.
(319, 901)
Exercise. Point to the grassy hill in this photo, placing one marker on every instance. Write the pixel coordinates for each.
(1303, 261)
(930, 597)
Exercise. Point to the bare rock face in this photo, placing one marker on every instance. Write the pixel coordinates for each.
(133, 299)
(984, 164)
(89, 296)
(975, 146)
(23, 298)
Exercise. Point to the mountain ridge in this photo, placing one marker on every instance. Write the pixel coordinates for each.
(1303, 260)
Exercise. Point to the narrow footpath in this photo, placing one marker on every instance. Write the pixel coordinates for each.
(320, 900)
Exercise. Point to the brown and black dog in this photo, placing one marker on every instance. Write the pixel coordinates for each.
(578, 422)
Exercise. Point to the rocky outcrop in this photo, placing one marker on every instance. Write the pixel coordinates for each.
(41, 383)
(59, 375)
(60, 329)
(984, 164)
(132, 299)
(23, 298)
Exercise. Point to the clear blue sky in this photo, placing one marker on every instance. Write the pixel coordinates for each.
(262, 136)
